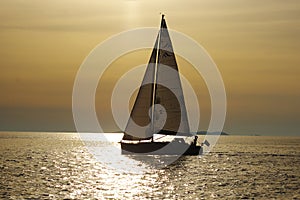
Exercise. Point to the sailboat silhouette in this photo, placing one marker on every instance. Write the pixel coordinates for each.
(159, 109)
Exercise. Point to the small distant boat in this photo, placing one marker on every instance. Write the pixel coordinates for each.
(154, 102)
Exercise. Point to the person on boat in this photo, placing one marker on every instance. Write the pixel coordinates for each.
(195, 140)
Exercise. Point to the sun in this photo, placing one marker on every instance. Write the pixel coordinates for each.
(132, 13)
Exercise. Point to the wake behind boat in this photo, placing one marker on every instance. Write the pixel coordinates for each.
(158, 123)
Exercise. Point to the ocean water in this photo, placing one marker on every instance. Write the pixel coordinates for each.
(59, 166)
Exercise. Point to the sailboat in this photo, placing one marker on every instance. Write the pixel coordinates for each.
(159, 111)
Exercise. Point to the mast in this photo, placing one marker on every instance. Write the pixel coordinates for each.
(155, 78)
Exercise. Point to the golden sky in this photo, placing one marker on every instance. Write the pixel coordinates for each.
(254, 43)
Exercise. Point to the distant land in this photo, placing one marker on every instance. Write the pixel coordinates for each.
(211, 133)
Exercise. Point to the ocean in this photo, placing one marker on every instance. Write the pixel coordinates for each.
(59, 166)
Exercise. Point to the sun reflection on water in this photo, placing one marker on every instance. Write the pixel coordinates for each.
(120, 176)
(106, 182)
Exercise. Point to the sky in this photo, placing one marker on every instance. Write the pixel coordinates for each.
(254, 43)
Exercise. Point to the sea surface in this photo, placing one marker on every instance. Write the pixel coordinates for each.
(60, 166)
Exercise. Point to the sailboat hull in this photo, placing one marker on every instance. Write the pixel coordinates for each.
(160, 148)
